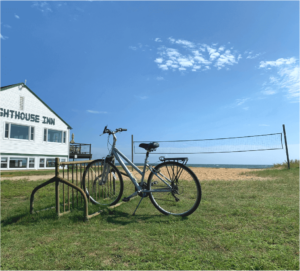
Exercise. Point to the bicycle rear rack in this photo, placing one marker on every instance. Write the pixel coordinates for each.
(182, 160)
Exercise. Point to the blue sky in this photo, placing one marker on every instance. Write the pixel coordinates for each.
(163, 70)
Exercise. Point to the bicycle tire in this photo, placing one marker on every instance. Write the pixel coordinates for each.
(106, 192)
(186, 193)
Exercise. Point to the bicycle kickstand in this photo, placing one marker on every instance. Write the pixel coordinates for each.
(138, 204)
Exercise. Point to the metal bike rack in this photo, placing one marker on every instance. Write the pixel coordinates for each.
(74, 183)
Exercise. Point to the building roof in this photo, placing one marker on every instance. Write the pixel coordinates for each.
(23, 85)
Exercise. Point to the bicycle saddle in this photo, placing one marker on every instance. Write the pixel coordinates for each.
(149, 147)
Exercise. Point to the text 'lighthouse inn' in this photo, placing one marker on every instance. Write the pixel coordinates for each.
(32, 135)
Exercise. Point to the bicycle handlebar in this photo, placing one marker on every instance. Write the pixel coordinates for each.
(107, 131)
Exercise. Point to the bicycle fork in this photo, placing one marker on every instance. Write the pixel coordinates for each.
(104, 176)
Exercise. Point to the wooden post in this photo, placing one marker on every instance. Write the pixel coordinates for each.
(57, 186)
(286, 146)
(132, 151)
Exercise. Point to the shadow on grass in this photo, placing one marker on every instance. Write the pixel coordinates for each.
(24, 217)
(76, 214)
(27, 218)
(122, 218)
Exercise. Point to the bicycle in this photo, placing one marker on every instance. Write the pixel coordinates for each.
(171, 186)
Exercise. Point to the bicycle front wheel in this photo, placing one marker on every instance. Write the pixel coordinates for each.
(179, 190)
(102, 188)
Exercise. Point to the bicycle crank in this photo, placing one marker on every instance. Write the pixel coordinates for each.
(143, 186)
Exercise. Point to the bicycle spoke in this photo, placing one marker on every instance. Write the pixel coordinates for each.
(103, 184)
(185, 193)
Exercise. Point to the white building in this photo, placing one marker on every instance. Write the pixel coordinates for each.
(32, 135)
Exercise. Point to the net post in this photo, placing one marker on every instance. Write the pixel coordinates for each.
(132, 151)
(57, 186)
(286, 146)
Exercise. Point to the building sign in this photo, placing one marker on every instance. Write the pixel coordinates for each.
(25, 116)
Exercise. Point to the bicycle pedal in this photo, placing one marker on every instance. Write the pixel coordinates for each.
(126, 199)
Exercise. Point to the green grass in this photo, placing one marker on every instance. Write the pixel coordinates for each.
(27, 173)
(293, 164)
(238, 225)
(38, 172)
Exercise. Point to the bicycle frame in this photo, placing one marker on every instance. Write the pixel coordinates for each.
(116, 153)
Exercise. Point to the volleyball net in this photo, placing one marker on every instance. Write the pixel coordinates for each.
(217, 145)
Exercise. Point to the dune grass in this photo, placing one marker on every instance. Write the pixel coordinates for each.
(238, 225)
(293, 164)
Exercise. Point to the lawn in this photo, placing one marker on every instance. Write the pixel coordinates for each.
(238, 225)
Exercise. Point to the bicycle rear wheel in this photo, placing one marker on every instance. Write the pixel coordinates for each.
(106, 190)
(184, 196)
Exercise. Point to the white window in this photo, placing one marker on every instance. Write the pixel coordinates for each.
(4, 162)
(54, 136)
(50, 162)
(16, 162)
(21, 103)
(17, 131)
(42, 162)
(31, 162)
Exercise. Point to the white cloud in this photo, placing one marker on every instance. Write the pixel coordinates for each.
(42, 6)
(241, 101)
(188, 55)
(184, 62)
(185, 43)
(253, 56)
(172, 53)
(171, 40)
(273, 79)
(96, 112)
(163, 67)
(285, 79)
(16, 16)
(158, 40)
(213, 54)
(158, 60)
(159, 78)
(3, 37)
(246, 108)
(250, 55)
(132, 48)
(195, 68)
(278, 62)
(290, 81)
(142, 97)
(226, 59)
(268, 91)
(6, 25)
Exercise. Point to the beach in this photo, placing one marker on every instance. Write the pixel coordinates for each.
(203, 174)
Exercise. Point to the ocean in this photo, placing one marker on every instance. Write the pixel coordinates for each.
(216, 165)
(230, 166)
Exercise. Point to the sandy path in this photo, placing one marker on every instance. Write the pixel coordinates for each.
(224, 174)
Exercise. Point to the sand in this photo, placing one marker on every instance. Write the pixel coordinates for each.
(203, 174)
